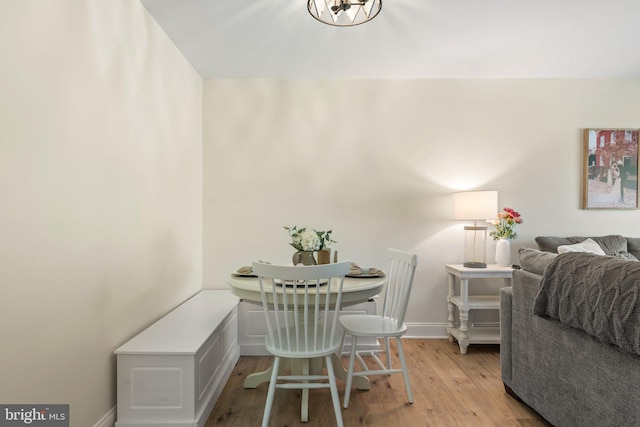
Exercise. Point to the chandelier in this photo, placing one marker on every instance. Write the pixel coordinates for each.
(344, 13)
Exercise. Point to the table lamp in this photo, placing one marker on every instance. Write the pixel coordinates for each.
(475, 206)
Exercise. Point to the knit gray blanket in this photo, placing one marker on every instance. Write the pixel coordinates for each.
(597, 294)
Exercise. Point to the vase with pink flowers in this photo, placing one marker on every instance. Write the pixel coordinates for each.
(505, 230)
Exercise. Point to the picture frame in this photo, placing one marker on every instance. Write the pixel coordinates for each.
(610, 168)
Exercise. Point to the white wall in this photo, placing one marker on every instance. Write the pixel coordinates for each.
(101, 194)
(377, 161)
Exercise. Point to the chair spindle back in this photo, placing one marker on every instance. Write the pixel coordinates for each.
(303, 318)
(399, 283)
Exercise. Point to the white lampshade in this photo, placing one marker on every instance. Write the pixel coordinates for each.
(475, 205)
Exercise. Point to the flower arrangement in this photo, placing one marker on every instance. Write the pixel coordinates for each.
(306, 239)
(505, 224)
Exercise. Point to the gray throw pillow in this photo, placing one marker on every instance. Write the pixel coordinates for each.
(633, 246)
(535, 261)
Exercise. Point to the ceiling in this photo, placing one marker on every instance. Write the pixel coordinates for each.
(408, 39)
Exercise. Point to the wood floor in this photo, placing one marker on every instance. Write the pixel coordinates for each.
(449, 390)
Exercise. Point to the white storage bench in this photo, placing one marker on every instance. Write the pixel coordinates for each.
(172, 373)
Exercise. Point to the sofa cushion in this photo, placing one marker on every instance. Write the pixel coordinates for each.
(633, 246)
(609, 244)
(588, 245)
(534, 260)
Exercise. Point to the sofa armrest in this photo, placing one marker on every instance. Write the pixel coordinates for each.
(506, 303)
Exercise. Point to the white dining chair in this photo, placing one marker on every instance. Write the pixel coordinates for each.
(301, 305)
(389, 324)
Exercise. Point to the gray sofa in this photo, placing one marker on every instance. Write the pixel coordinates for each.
(566, 375)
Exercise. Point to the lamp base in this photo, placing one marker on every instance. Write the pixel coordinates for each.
(474, 264)
(475, 246)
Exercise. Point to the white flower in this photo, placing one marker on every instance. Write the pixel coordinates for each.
(304, 239)
(309, 240)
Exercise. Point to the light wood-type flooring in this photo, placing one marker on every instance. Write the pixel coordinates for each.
(449, 390)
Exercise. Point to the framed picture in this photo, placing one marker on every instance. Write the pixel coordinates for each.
(610, 169)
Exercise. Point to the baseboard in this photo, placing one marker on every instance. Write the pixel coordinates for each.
(109, 420)
(426, 330)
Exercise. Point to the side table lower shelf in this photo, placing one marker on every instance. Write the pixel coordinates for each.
(477, 302)
(474, 334)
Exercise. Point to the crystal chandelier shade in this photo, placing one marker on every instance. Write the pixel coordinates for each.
(344, 13)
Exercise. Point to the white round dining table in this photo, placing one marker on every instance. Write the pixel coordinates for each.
(354, 291)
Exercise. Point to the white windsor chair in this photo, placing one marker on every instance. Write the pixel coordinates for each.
(390, 324)
(303, 325)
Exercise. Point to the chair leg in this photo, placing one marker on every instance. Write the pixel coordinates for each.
(334, 391)
(352, 356)
(272, 389)
(388, 351)
(304, 406)
(405, 371)
(344, 335)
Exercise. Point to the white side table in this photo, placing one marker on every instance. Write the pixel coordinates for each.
(466, 302)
